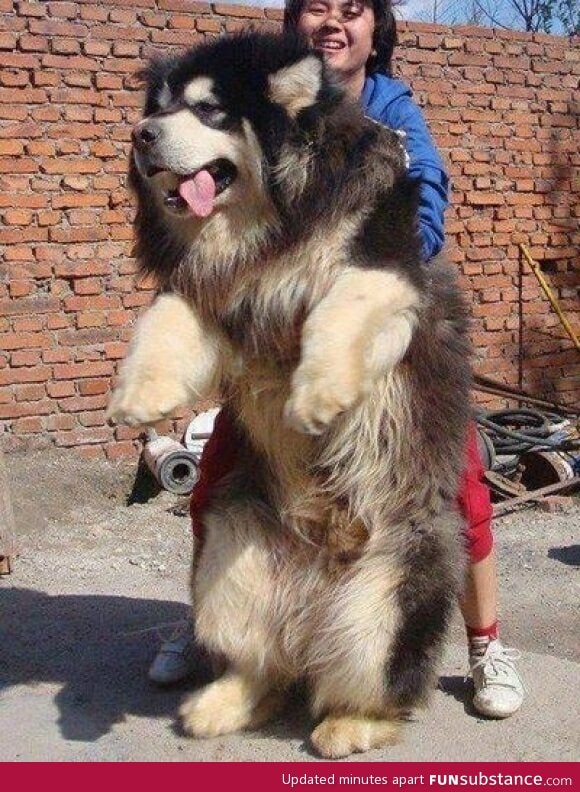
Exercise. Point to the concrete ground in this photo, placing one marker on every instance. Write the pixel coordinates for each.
(99, 582)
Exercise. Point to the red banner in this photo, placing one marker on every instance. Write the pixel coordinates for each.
(274, 776)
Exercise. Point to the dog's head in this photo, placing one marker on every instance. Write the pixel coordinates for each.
(227, 124)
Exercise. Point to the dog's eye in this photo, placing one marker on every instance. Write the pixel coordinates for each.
(207, 108)
(209, 113)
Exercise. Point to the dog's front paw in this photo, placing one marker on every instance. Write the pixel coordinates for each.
(317, 399)
(142, 400)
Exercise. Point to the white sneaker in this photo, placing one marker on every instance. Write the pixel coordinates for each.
(173, 661)
(499, 690)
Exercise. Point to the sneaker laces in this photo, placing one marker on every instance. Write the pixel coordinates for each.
(497, 662)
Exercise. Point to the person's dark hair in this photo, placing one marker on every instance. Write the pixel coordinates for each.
(384, 37)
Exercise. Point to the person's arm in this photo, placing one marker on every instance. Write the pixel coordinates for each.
(426, 166)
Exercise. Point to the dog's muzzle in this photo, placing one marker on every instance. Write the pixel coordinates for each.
(145, 134)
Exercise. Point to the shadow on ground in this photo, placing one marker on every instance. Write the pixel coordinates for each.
(461, 690)
(96, 648)
(99, 648)
(569, 555)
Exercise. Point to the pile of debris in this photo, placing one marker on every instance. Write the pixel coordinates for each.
(530, 452)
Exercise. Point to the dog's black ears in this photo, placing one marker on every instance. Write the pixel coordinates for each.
(154, 79)
(296, 87)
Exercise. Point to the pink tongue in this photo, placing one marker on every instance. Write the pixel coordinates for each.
(199, 193)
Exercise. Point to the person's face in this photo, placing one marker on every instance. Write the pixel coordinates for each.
(342, 30)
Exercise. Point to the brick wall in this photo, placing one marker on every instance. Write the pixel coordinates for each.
(500, 105)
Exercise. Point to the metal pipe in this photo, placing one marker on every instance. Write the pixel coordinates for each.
(173, 465)
(488, 385)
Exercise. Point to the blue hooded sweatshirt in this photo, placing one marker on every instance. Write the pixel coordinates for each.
(390, 102)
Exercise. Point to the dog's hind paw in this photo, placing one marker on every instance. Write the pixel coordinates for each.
(228, 705)
(341, 735)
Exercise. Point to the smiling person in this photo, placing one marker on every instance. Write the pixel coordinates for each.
(357, 38)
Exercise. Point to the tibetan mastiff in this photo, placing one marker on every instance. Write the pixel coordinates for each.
(282, 229)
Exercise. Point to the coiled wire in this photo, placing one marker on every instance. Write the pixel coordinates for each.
(520, 430)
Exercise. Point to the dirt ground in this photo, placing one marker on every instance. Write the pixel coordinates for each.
(99, 582)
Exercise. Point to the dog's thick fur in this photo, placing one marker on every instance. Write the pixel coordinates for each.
(332, 552)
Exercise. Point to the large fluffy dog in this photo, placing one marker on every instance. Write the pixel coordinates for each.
(282, 229)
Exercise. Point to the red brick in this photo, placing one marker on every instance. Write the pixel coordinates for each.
(122, 450)
(82, 436)
(28, 426)
(64, 10)
(83, 403)
(274, 13)
(53, 27)
(59, 390)
(24, 96)
(14, 79)
(253, 12)
(94, 387)
(25, 374)
(116, 350)
(20, 288)
(94, 13)
(122, 16)
(16, 253)
(185, 6)
(56, 355)
(11, 148)
(181, 22)
(125, 49)
(33, 43)
(153, 19)
(17, 217)
(208, 25)
(28, 358)
(13, 113)
(68, 235)
(26, 409)
(17, 60)
(31, 9)
(60, 422)
(10, 341)
(28, 324)
(184, 38)
(104, 149)
(83, 370)
(484, 198)
(95, 418)
(30, 392)
(65, 46)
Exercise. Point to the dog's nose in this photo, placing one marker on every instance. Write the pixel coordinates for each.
(145, 134)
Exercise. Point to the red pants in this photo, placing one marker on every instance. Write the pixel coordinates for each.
(219, 456)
